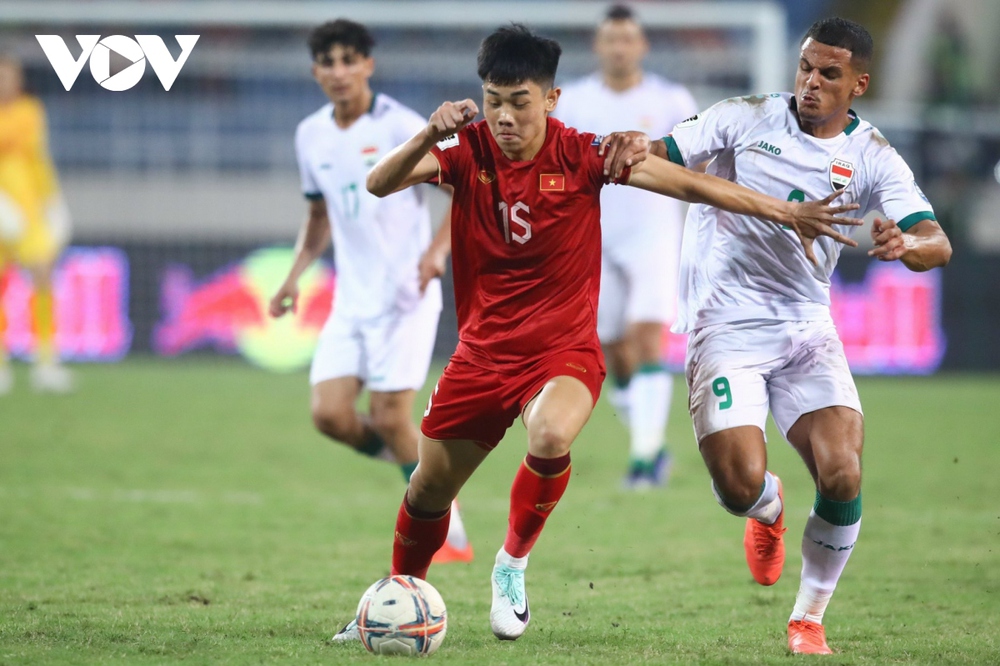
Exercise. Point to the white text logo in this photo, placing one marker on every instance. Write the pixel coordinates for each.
(131, 54)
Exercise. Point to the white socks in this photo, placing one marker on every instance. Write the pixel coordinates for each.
(766, 509)
(649, 395)
(825, 551)
(456, 529)
(506, 559)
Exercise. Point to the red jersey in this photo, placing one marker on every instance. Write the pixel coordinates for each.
(526, 244)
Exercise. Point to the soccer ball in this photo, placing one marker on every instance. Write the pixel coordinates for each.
(402, 615)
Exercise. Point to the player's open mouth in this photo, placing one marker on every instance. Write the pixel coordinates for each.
(809, 100)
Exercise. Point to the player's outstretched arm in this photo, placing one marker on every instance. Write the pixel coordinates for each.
(809, 219)
(921, 247)
(314, 238)
(411, 162)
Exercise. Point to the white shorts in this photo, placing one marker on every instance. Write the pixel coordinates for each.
(388, 353)
(638, 282)
(736, 371)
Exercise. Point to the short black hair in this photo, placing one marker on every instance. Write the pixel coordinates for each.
(513, 54)
(348, 34)
(619, 13)
(844, 34)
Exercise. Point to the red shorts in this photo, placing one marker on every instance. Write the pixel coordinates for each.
(479, 404)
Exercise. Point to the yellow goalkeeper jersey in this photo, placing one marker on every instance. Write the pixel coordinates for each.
(28, 183)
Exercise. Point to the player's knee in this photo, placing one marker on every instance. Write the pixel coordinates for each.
(332, 422)
(429, 490)
(547, 438)
(390, 424)
(738, 487)
(842, 484)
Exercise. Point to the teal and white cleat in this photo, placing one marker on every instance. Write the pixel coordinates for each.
(348, 633)
(509, 615)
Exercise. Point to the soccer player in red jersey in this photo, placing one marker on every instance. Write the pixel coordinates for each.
(526, 257)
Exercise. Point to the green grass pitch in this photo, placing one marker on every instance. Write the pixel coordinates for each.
(186, 511)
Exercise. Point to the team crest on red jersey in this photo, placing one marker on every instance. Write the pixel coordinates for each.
(552, 182)
(486, 177)
(841, 174)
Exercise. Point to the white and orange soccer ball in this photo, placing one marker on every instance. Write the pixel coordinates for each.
(402, 615)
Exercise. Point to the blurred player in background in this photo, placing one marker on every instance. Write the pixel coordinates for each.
(34, 224)
(527, 267)
(387, 299)
(641, 239)
(761, 333)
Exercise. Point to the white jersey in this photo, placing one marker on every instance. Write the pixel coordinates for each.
(734, 267)
(654, 107)
(377, 242)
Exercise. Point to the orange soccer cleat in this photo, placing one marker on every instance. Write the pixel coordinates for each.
(449, 553)
(765, 546)
(807, 638)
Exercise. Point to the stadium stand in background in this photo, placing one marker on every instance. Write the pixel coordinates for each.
(184, 186)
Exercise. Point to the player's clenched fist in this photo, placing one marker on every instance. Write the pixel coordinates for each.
(284, 301)
(451, 117)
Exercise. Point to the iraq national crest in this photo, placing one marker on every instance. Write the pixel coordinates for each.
(841, 174)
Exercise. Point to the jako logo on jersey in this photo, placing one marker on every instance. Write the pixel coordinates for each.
(770, 148)
(693, 120)
(841, 173)
(132, 54)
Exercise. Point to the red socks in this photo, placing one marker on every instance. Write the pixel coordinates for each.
(539, 484)
(419, 534)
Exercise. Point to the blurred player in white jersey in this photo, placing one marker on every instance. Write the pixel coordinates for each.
(761, 333)
(387, 299)
(641, 239)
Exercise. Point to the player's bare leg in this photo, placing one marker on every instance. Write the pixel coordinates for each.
(392, 419)
(622, 363)
(335, 414)
(424, 517)
(737, 461)
(553, 418)
(830, 442)
(48, 375)
(643, 393)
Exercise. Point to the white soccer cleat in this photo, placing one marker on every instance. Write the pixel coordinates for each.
(509, 615)
(51, 378)
(6, 379)
(348, 633)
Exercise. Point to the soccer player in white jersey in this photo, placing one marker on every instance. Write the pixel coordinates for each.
(761, 333)
(641, 239)
(387, 299)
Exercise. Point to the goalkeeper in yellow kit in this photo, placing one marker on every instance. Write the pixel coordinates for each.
(34, 223)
